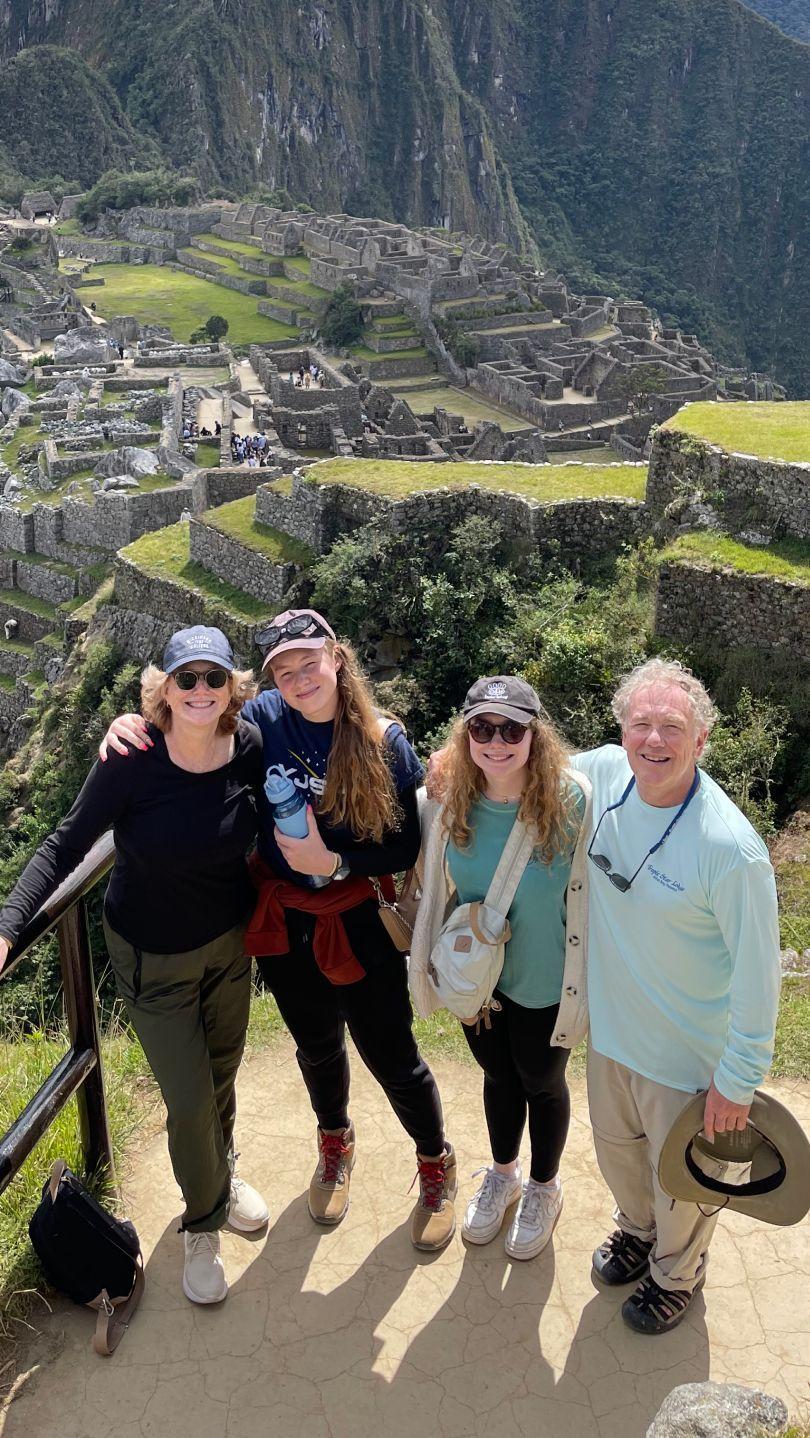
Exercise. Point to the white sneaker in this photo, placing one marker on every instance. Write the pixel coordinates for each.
(534, 1222)
(204, 1278)
(247, 1210)
(487, 1207)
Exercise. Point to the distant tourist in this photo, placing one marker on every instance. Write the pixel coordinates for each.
(505, 774)
(324, 951)
(10, 628)
(174, 917)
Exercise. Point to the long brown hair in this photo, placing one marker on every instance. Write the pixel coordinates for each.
(547, 804)
(359, 791)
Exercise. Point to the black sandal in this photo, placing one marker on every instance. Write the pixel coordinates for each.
(652, 1309)
(622, 1258)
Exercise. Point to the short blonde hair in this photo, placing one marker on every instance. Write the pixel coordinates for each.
(666, 671)
(155, 709)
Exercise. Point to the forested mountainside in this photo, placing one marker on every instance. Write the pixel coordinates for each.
(59, 118)
(659, 147)
(792, 16)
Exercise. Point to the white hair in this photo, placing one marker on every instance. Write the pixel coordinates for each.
(666, 671)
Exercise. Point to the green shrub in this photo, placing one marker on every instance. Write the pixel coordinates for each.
(342, 322)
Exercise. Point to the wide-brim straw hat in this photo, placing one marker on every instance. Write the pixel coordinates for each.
(769, 1159)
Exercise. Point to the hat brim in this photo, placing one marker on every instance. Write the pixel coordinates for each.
(496, 706)
(783, 1205)
(205, 655)
(294, 644)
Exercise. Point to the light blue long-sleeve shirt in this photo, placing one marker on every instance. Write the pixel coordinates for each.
(683, 969)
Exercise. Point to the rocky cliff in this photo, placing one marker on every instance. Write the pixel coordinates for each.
(655, 147)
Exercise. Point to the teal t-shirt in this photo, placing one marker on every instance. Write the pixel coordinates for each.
(535, 954)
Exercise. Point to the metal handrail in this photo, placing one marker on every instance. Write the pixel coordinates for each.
(80, 1071)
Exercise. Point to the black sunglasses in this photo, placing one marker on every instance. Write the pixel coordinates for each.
(295, 628)
(510, 731)
(603, 862)
(187, 679)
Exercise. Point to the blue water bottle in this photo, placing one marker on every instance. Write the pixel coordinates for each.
(290, 813)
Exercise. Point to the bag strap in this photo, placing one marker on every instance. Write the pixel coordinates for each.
(517, 852)
(114, 1314)
(58, 1169)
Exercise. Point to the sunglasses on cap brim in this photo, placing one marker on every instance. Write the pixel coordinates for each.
(301, 626)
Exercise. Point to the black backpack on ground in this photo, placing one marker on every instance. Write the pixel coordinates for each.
(88, 1254)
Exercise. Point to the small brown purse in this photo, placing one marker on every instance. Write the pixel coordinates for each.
(399, 918)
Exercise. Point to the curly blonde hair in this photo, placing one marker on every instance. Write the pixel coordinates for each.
(359, 792)
(548, 801)
(155, 709)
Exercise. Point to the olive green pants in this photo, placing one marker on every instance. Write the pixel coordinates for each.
(190, 1012)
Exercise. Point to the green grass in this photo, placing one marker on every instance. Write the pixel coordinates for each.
(24, 1066)
(208, 454)
(791, 1057)
(362, 352)
(298, 262)
(252, 251)
(8, 682)
(786, 559)
(547, 482)
(298, 287)
(238, 521)
(459, 401)
(223, 262)
(68, 227)
(16, 646)
(157, 295)
(164, 553)
(27, 434)
(31, 603)
(778, 430)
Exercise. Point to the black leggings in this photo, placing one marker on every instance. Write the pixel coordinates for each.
(522, 1072)
(377, 1012)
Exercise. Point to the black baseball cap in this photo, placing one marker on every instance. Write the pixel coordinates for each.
(188, 645)
(502, 694)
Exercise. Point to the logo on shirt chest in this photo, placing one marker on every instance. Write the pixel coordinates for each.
(661, 878)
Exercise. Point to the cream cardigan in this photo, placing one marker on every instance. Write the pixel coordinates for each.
(438, 899)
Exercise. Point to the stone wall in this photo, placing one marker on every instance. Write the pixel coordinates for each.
(234, 562)
(180, 607)
(767, 494)
(577, 529)
(729, 609)
(44, 582)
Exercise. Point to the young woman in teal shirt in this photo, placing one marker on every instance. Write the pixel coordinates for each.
(505, 761)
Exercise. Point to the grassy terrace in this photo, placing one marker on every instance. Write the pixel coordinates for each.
(164, 554)
(362, 352)
(302, 287)
(780, 430)
(156, 295)
(395, 478)
(788, 559)
(223, 262)
(238, 521)
(298, 262)
(235, 247)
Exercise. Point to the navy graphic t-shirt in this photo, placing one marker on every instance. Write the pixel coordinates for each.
(298, 748)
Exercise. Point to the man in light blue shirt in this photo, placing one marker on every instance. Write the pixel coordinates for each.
(683, 975)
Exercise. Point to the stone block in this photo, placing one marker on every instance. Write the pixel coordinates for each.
(718, 1410)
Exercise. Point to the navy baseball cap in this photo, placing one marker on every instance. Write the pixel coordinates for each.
(188, 645)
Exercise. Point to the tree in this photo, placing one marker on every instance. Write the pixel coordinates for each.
(216, 327)
(342, 322)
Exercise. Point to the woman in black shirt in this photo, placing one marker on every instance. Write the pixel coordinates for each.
(174, 918)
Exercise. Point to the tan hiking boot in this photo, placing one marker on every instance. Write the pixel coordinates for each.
(433, 1221)
(329, 1189)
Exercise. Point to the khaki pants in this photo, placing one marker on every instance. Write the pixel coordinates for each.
(190, 1012)
(631, 1117)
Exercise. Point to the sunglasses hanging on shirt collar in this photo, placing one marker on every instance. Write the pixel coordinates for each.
(605, 864)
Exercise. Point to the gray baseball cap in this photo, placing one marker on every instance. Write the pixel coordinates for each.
(502, 694)
(188, 645)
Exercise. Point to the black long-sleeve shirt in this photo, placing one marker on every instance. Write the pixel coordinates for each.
(180, 877)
